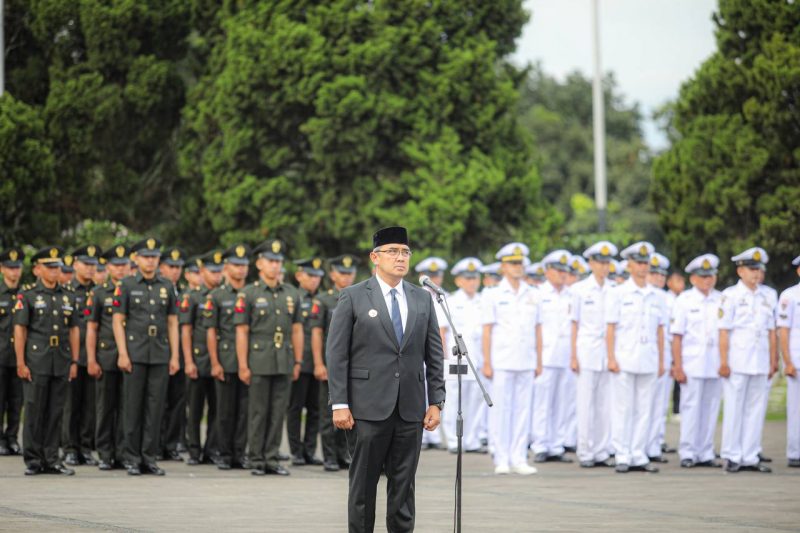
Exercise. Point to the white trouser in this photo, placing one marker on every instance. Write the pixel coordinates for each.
(511, 415)
(792, 417)
(471, 399)
(658, 418)
(764, 407)
(630, 422)
(593, 415)
(571, 433)
(700, 399)
(743, 417)
(550, 410)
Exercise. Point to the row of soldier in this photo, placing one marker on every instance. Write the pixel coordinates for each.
(577, 356)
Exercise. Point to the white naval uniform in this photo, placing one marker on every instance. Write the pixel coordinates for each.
(772, 297)
(513, 358)
(789, 317)
(638, 313)
(694, 318)
(551, 403)
(434, 437)
(593, 395)
(749, 317)
(467, 318)
(664, 384)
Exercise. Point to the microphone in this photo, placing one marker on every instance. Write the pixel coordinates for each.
(425, 281)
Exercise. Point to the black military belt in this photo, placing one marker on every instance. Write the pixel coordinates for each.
(152, 331)
(54, 341)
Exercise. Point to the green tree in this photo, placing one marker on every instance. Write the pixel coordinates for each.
(28, 177)
(558, 116)
(320, 121)
(731, 178)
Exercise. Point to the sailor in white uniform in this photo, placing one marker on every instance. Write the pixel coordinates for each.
(695, 351)
(789, 340)
(511, 314)
(589, 359)
(746, 318)
(635, 342)
(466, 311)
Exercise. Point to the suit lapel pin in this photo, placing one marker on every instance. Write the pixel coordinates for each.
(373, 313)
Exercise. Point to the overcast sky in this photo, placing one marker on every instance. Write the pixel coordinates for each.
(652, 46)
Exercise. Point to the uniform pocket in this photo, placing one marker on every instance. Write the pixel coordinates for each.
(359, 373)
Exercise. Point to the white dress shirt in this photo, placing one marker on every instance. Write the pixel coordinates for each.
(556, 325)
(749, 315)
(789, 317)
(638, 312)
(694, 317)
(513, 316)
(588, 311)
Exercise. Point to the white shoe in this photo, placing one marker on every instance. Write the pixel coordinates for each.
(524, 469)
(502, 470)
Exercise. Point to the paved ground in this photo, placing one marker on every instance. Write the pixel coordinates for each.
(559, 498)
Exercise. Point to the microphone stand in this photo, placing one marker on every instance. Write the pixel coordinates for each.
(460, 351)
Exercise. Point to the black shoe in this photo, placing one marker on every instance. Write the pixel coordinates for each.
(482, 450)
(709, 464)
(33, 471)
(667, 449)
(794, 463)
(313, 461)
(764, 459)
(105, 465)
(650, 468)
(687, 463)
(244, 464)
(344, 464)
(658, 459)
(608, 463)
(732, 467)
(570, 449)
(298, 460)
(622, 468)
(72, 459)
(193, 461)
(540, 457)
(330, 466)
(224, 465)
(60, 470)
(258, 471)
(173, 455)
(15, 448)
(587, 464)
(154, 469)
(181, 448)
(208, 460)
(283, 457)
(558, 459)
(133, 470)
(4, 450)
(88, 460)
(277, 470)
(434, 446)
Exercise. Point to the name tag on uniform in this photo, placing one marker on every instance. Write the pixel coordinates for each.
(627, 303)
(137, 293)
(261, 304)
(229, 303)
(39, 305)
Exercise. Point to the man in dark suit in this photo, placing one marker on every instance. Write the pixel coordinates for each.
(383, 348)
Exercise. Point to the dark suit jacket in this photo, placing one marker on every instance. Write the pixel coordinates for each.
(366, 367)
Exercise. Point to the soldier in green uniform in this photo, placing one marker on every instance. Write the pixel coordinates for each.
(173, 427)
(102, 355)
(221, 340)
(146, 331)
(67, 271)
(305, 389)
(266, 313)
(101, 273)
(10, 384)
(194, 308)
(78, 423)
(334, 444)
(46, 342)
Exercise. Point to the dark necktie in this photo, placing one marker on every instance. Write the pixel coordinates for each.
(397, 322)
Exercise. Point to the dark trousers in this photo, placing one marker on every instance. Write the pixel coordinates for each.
(334, 442)
(145, 394)
(231, 419)
(10, 404)
(305, 394)
(173, 429)
(109, 436)
(392, 444)
(78, 423)
(200, 394)
(267, 401)
(41, 431)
